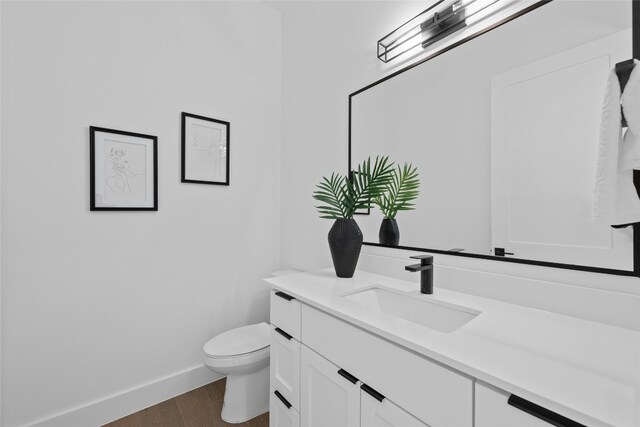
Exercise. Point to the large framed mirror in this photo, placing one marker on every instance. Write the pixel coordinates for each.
(504, 131)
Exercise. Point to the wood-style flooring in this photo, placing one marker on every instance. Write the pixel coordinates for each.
(198, 408)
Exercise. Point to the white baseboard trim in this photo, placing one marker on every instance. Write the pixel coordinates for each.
(121, 404)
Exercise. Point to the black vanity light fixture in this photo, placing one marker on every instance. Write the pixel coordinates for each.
(433, 24)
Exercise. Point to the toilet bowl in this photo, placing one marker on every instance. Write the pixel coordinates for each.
(242, 354)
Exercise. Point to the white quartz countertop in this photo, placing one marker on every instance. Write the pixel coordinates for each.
(587, 371)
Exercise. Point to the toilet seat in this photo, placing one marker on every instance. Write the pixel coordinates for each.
(242, 360)
(243, 341)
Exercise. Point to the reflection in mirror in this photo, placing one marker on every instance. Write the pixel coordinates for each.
(504, 132)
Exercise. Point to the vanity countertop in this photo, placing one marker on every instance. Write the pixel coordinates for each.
(587, 371)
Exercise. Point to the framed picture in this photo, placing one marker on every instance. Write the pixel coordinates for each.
(205, 150)
(363, 211)
(124, 170)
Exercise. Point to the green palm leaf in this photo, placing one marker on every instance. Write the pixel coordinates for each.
(332, 192)
(369, 182)
(401, 191)
(341, 197)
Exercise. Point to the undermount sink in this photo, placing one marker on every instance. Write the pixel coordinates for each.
(415, 308)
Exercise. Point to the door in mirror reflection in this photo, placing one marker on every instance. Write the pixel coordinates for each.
(544, 143)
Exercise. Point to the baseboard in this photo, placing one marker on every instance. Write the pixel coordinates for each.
(121, 404)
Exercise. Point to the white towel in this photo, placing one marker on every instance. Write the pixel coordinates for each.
(616, 200)
(630, 153)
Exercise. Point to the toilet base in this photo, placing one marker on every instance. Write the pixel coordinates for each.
(246, 396)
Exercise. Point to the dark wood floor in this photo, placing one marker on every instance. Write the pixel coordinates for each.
(200, 407)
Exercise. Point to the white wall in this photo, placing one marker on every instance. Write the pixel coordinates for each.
(98, 303)
(329, 52)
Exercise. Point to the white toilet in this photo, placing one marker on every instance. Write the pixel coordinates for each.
(242, 354)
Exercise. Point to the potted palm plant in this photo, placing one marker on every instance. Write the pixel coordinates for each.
(340, 198)
(401, 190)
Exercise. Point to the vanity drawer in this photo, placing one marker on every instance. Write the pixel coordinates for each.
(285, 313)
(434, 394)
(493, 410)
(280, 413)
(285, 365)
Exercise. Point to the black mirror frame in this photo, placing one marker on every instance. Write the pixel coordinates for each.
(636, 175)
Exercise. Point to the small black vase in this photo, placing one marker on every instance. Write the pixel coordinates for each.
(345, 242)
(389, 232)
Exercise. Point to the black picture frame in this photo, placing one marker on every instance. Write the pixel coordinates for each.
(211, 156)
(117, 192)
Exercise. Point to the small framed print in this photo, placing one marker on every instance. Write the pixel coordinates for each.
(205, 150)
(124, 170)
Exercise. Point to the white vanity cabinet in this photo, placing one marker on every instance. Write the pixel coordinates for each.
(431, 392)
(326, 372)
(341, 361)
(349, 377)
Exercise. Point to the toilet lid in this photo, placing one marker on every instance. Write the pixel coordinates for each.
(242, 340)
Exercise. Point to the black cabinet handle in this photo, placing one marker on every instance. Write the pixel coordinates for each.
(501, 252)
(284, 296)
(544, 414)
(372, 392)
(284, 334)
(282, 399)
(348, 376)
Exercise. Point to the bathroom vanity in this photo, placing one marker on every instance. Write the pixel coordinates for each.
(372, 350)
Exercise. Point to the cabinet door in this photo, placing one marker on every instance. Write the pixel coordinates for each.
(285, 365)
(327, 399)
(281, 413)
(384, 414)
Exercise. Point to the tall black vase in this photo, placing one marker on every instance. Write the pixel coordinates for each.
(345, 242)
(389, 233)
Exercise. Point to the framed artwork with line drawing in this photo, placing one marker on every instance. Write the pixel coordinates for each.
(205, 150)
(124, 170)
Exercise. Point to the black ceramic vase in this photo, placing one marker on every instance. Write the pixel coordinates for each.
(389, 233)
(345, 242)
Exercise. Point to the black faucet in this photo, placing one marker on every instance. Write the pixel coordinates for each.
(426, 272)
